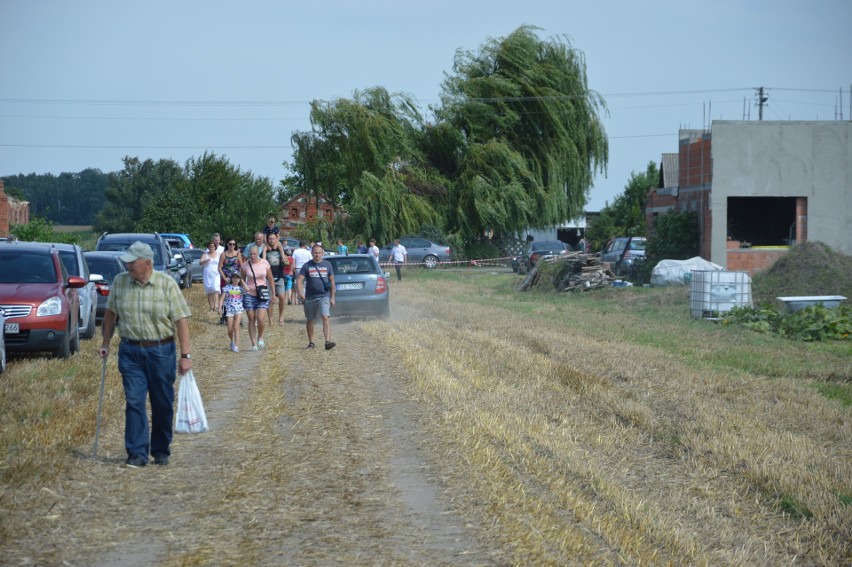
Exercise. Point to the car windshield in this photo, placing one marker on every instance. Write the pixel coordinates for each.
(69, 258)
(122, 246)
(348, 265)
(107, 267)
(547, 245)
(27, 267)
(637, 244)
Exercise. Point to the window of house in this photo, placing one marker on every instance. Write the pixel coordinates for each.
(762, 221)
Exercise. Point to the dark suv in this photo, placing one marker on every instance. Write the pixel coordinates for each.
(163, 260)
(39, 300)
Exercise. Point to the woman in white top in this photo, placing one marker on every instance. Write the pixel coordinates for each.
(210, 261)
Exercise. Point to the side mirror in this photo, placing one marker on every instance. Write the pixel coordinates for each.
(96, 278)
(387, 275)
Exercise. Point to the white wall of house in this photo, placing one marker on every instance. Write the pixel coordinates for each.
(785, 159)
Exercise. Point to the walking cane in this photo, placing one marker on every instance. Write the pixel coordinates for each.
(100, 406)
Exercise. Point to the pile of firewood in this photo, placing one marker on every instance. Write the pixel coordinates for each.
(574, 272)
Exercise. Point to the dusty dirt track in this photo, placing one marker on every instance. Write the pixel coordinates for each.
(452, 435)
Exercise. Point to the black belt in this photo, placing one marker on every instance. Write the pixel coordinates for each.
(166, 341)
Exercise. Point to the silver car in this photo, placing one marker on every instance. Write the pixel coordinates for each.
(196, 268)
(72, 256)
(361, 288)
(623, 253)
(420, 251)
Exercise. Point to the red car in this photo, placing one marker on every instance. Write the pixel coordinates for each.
(39, 300)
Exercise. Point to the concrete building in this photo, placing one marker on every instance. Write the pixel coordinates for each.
(759, 187)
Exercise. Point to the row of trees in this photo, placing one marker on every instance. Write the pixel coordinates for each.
(67, 198)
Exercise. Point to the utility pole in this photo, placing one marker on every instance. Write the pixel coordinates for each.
(761, 101)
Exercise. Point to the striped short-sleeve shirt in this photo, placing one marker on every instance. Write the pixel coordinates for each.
(147, 312)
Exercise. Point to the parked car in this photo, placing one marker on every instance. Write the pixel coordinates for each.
(107, 265)
(163, 260)
(537, 250)
(361, 287)
(420, 251)
(184, 263)
(75, 263)
(39, 299)
(185, 241)
(624, 253)
(195, 268)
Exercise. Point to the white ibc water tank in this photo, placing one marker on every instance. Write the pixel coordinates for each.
(714, 293)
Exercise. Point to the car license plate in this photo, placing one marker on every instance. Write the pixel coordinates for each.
(11, 328)
(343, 286)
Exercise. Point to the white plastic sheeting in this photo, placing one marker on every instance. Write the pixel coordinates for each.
(679, 272)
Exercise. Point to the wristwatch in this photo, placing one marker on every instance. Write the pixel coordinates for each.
(187, 355)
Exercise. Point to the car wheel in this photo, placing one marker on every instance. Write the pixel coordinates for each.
(90, 329)
(64, 350)
(385, 313)
(430, 262)
(75, 341)
(522, 269)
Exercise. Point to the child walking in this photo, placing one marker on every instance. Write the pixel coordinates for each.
(234, 292)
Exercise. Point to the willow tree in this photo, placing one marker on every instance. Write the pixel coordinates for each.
(521, 97)
(385, 208)
(372, 132)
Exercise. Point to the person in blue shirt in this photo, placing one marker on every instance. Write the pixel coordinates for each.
(342, 249)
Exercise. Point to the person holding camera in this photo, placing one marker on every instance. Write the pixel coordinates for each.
(315, 287)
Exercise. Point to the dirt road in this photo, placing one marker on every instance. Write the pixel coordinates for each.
(312, 457)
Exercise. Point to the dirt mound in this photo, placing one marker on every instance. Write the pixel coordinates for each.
(809, 268)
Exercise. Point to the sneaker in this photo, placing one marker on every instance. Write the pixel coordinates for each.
(330, 345)
(161, 460)
(310, 345)
(231, 346)
(253, 347)
(261, 343)
(236, 348)
(136, 461)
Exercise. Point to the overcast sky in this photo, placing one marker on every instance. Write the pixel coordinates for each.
(84, 83)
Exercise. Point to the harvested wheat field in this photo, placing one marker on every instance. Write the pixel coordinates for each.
(477, 426)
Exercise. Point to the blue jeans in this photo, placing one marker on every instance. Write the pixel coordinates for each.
(148, 371)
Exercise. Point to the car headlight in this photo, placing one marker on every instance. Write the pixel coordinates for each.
(52, 306)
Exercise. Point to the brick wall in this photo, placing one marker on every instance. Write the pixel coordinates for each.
(751, 260)
(4, 212)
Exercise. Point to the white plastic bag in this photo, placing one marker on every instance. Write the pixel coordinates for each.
(190, 415)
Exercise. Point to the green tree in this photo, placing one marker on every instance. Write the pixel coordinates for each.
(130, 191)
(372, 132)
(37, 230)
(212, 195)
(626, 215)
(526, 105)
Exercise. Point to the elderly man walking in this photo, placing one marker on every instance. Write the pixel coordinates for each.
(150, 310)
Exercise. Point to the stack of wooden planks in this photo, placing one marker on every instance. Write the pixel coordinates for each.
(573, 272)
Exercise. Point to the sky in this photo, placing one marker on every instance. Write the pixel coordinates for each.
(85, 83)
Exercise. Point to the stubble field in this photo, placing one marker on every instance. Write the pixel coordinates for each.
(477, 426)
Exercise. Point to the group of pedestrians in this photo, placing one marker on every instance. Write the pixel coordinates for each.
(150, 312)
